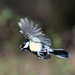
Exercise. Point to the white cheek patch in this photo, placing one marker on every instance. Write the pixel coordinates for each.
(26, 45)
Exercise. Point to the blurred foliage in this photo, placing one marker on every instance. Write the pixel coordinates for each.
(60, 69)
(5, 15)
(56, 18)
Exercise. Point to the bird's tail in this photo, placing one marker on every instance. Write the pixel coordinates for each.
(60, 53)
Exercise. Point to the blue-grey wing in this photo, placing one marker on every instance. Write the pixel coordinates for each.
(32, 32)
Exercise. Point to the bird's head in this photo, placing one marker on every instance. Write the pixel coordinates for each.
(24, 46)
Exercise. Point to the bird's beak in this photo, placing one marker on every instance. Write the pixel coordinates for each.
(21, 49)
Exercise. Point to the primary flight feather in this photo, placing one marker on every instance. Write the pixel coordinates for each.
(32, 32)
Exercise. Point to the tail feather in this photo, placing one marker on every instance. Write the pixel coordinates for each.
(61, 53)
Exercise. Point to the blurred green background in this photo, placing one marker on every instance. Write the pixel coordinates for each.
(57, 20)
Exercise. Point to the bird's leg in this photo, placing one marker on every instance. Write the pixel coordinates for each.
(48, 52)
(40, 55)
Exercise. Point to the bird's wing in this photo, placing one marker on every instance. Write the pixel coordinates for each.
(32, 32)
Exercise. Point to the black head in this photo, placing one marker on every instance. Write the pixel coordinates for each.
(24, 46)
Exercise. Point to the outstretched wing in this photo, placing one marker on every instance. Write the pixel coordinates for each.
(32, 32)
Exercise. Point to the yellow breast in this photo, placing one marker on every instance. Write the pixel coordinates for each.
(35, 46)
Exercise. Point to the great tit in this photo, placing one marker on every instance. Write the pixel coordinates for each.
(38, 43)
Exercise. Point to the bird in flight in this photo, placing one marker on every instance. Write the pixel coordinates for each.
(38, 43)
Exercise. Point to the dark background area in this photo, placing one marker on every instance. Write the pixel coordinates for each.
(57, 20)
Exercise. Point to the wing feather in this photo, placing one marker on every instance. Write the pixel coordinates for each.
(32, 32)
